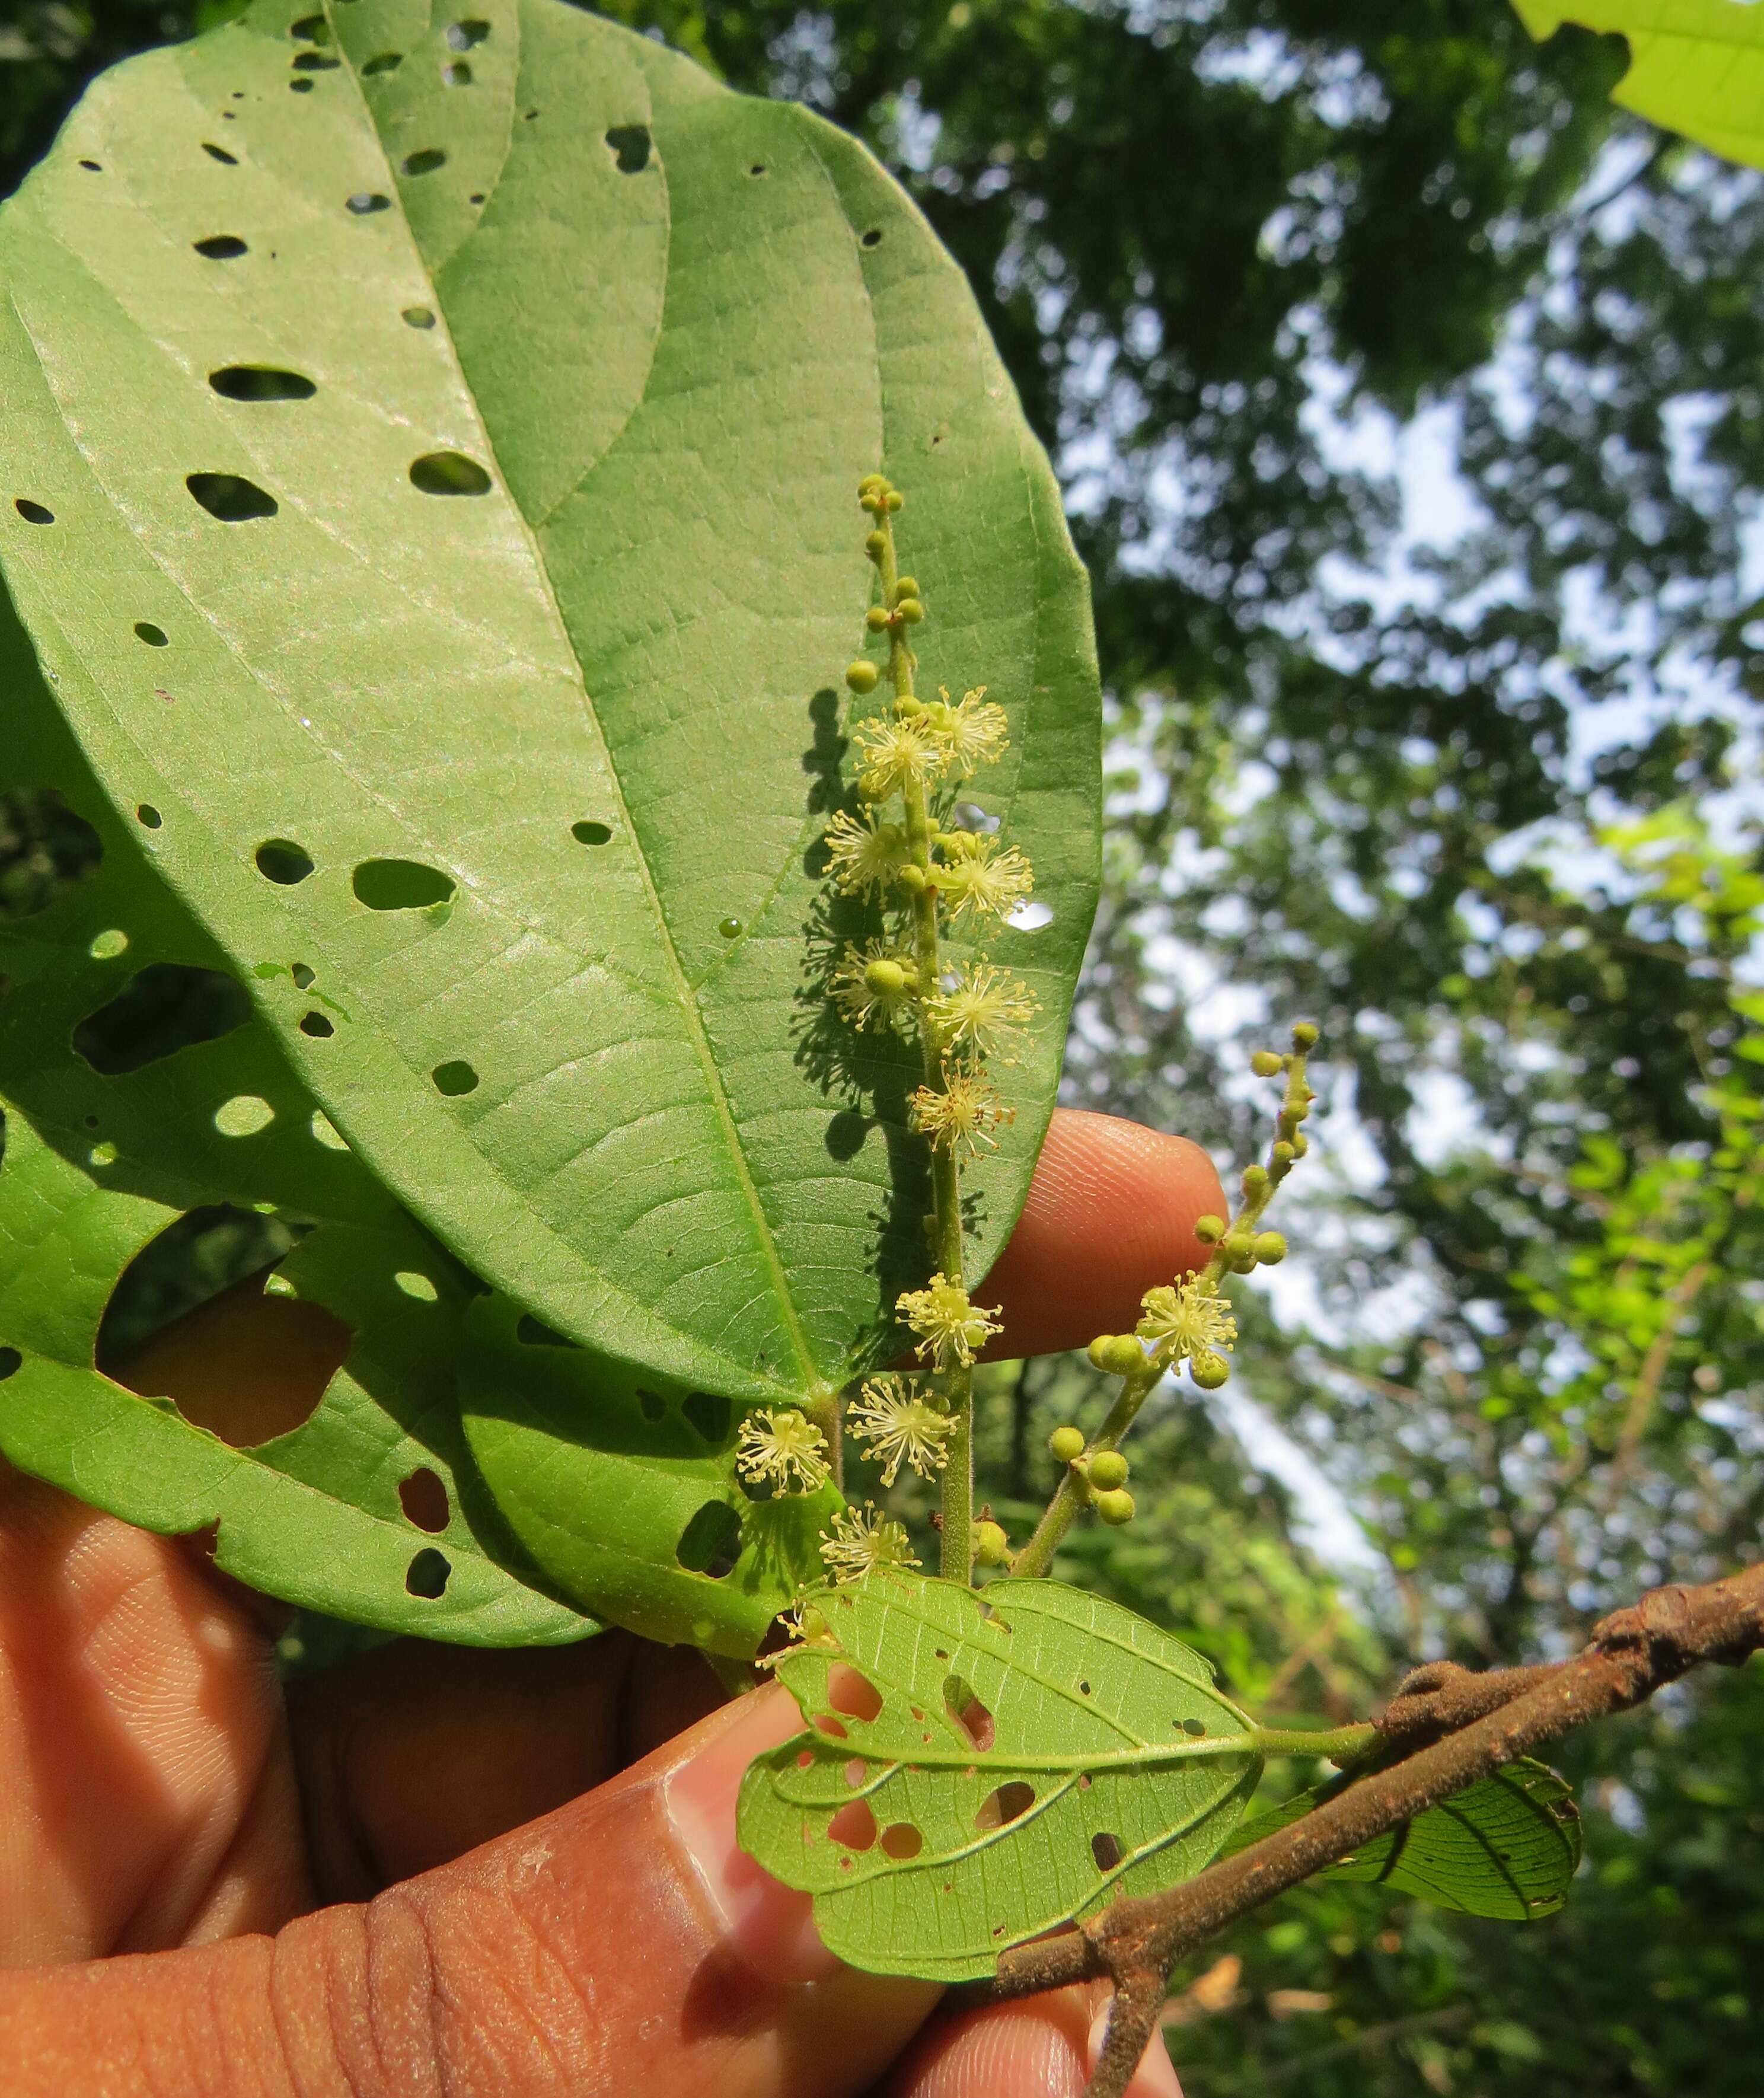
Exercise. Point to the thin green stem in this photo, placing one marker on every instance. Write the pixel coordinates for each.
(1338, 1743)
(1073, 1495)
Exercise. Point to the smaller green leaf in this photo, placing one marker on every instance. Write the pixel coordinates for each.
(1506, 1847)
(979, 1768)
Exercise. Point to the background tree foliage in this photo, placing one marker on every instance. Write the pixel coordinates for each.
(1475, 802)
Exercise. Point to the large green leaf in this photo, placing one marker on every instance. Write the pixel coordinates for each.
(1507, 1846)
(979, 1768)
(1696, 66)
(663, 329)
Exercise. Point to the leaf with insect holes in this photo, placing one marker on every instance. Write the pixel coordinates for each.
(1696, 66)
(128, 1049)
(978, 1768)
(1507, 1846)
(430, 453)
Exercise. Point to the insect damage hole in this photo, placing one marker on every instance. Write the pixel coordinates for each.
(424, 162)
(711, 1542)
(282, 862)
(422, 1496)
(428, 1575)
(449, 473)
(458, 74)
(245, 1115)
(155, 637)
(33, 513)
(11, 1362)
(417, 317)
(220, 153)
(383, 61)
(586, 833)
(901, 1841)
(1107, 1851)
(462, 36)
(317, 1026)
(230, 497)
(366, 202)
(629, 145)
(852, 1693)
(966, 1712)
(1010, 1803)
(221, 247)
(164, 1008)
(402, 884)
(261, 382)
(454, 1079)
(853, 1827)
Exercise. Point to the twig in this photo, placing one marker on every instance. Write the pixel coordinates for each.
(1447, 1726)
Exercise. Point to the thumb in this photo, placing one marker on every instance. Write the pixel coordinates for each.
(622, 1943)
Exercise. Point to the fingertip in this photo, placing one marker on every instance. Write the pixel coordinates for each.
(1048, 2045)
(1110, 1213)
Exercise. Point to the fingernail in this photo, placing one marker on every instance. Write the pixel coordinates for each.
(1154, 2078)
(770, 1927)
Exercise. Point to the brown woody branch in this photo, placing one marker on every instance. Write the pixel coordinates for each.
(1445, 1728)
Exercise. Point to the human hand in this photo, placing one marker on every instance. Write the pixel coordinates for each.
(439, 1872)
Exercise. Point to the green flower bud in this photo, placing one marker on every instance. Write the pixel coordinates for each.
(1239, 1243)
(1270, 1248)
(876, 619)
(1305, 1035)
(1264, 1064)
(875, 545)
(992, 1547)
(872, 481)
(1108, 1469)
(862, 676)
(896, 501)
(1301, 1145)
(1255, 1179)
(886, 979)
(1209, 1230)
(1115, 1507)
(1284, 1152)
(1067, 1443)
(910, 609)
(908, 709)
(1117, 1355)
(905, 586)
(1209, 1371)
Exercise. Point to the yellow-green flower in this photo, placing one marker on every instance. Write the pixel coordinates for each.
(901, 1428)
(970, 733)
(783, 1448)
(865, 852)
(1192, 1316)
(875, 984)
(895, 753)
(981, 1009)
(863, 1537)
(963, 1116)
(977, 876)
(948, 1327)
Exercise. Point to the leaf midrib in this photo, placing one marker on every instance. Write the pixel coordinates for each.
(685, 995)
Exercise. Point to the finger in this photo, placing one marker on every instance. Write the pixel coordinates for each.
(623, 1943)
(1045, 2047)
(147, 1796)
(1110, 1211)
(500, 1738)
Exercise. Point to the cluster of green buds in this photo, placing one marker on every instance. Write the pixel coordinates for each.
(938, 870)
(1187, 1322)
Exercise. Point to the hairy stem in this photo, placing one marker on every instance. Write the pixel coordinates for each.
(957, 1553)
